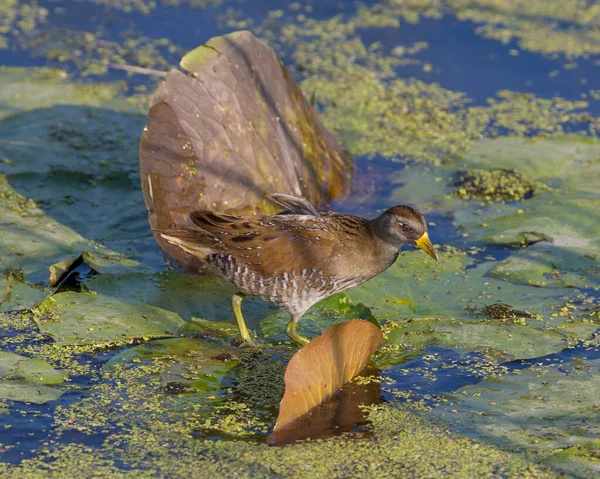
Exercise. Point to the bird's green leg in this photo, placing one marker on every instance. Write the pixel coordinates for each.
(291, 331)
(236, 305)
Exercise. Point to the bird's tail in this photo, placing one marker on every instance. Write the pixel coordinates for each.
(195, 242)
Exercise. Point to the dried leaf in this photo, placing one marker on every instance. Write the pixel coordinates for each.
(234, 130)
(342, 412)
(323, 366)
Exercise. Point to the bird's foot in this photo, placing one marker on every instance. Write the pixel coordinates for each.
(292, 332)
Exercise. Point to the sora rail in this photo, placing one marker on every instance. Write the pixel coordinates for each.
(300, 255)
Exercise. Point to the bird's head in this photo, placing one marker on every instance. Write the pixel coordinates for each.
(402, 224)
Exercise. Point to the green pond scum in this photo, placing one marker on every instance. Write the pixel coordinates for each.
(489, 364)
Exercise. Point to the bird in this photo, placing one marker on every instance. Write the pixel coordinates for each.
(300, 255)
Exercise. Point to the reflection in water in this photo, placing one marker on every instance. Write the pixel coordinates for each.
(343, 412)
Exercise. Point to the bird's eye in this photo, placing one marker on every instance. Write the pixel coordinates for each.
(406, 227)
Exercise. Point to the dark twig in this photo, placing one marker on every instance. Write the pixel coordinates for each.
(140, 70)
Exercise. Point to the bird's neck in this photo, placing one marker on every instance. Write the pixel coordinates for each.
(384, 251)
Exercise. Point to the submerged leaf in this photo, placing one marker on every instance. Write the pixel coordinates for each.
(237, 122)
(323, 366)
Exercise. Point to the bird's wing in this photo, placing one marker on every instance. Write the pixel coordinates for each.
(265, 244)
(294, 205)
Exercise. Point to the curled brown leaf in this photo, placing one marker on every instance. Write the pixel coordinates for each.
(323, 366)
(231, 131)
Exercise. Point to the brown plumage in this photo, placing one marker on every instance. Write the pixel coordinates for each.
(299, 256)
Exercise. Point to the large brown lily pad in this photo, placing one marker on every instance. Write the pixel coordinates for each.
(229, 132)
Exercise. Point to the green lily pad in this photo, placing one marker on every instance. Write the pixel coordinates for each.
(203, 302)
(26, 392)
(426, 187)
(444, 304)
(547, 264)
(68, 175)
(27, 379)
(38, 371)
(31, 242)
(189, 296)
(53, 124)
(548, 409)
(416, 287)
(563, 237)
(16, 295)
(563, 222)
(111, 262)
(102, 207)
(332, 310)
(572, 161)
(42, 249)
(75, 318)
(502, 340)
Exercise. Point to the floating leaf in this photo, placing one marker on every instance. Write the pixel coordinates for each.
(504, 340)
(32, 242)
(548, 264)
(189, 296)
(323, 366)
(237, 121)
(443, 304)
(545, 408)
(334, 309)
(38, 371)
(25, 379)
(564, 218)
(109, 205)
(69, 174)
(573, 160)
(562, 223)
(108, 262)
(25, 392)
(414, 287)
(74, 318)
(16, 295)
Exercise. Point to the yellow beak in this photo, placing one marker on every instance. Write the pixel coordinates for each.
(425, 244)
